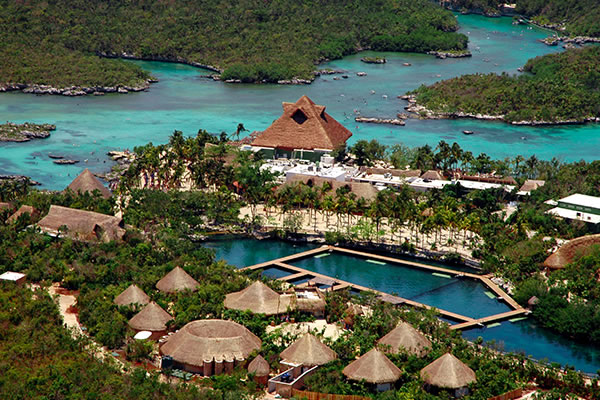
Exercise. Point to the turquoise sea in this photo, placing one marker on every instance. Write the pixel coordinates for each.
(88, 127)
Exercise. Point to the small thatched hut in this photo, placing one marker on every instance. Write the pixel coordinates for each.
(260, 368)
(374, 367)
(152, 318)
(260, 299)
(448, 373)
(308, 351)
(405, 337)
(530, 185)
(432, 175)
(311, 300)
(177, 280)
(210, 346)
(133, 295)
(87, 182)
(24, 209)
(567, 253)
(82, 225)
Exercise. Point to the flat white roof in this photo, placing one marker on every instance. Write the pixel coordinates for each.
(582, 200)
(573, 214)
(323, 172)
(474, 185)
(11, 276)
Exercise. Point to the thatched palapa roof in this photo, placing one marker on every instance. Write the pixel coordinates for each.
(432, 175)
(152, 318)
(87, 182)
(373, 367)
(24, 209)
(404, 336)
(308, 351)
(177, 280)
(361, 189)
(132, 295)
(209, 339)
(81, 224)
(259, 366)
(531, 184)
(260, 299)
(310, 299)
(568, 252)
(448, 372)
(303, 125)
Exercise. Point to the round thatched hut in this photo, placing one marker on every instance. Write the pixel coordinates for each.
(133, 295)
(260, 299)
(374, 367)
(260, 368)
(210, 346)
(87, 182)
(177, 280)
(152, 318)
(449, 373)
(405, 337)
(308, 351)
(567, 253)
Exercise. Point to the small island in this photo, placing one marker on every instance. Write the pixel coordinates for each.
(11, 132)
(374, 60)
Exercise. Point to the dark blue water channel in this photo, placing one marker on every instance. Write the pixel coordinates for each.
(458, 295)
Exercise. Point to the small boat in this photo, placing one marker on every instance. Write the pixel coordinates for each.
(56, 157)
(407, 64)
(468, 132)
(65, 162)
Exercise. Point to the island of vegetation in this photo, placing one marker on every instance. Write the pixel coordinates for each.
(557, 89)
(53, 47)
(373, 60)
(11, 132)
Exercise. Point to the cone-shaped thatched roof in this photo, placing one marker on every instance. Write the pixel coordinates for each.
(152, 318)
(206, 339)
(258, 298)
(132, 295)
(404, 336)
(308, 351)
(568, 252)
(87, 182)
(81, 224)
(303, 125)
(259, 366)
(177, 280)
(432, 175)
(448, 372)
(373, 367)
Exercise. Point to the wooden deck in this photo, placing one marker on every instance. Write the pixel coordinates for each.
(464, 321)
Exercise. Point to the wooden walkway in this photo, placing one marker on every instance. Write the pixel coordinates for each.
(465, 322)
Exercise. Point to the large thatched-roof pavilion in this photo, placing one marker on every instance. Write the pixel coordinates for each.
(82, 225)
(24, 209)
(448, 372)
(133, 295)
(374, 367)
(152, 318)
(177, 280)
(568, 252)
(210, 346)
(259, 299)
(405, 337)
(308, 351)
(87, 182)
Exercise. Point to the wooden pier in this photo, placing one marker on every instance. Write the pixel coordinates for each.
(464, 322)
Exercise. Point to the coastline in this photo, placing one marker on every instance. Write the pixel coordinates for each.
(72, 91)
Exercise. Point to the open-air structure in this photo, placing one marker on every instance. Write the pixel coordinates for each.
(375, 368)
(259, 299)
(406, 338)
(81, 225)
(86, 182)
(177, 280)
(133, 295)
(448, 373)
(304, 131)
(210, 346)
(153, 319)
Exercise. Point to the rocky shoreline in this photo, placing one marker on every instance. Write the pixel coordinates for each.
(425, 113)
(569, 40)
(390, 121)
(11, 132)
(450, 54)
(73, 91)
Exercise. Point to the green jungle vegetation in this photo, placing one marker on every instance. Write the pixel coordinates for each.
(579, 17)
(56, 42)
(558, 87)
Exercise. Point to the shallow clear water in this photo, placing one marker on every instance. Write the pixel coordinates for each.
(524, 336)
(87, 127)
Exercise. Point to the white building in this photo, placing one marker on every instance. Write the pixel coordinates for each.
(578, 207)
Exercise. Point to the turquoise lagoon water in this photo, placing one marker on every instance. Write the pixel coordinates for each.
(88, 127)
(462, 296)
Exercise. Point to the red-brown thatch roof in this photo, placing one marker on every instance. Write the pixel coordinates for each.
(260, 299)
(209, 339)
(81, 224)
(405, 337)
(259, 366)
(303, 125)
(152, 318)
(24, 209)
(567, 253)
(432, 175)
(448, 372)
(362, 190)
(308, 351)
(373, 367)
(177, 280)
(87, 182)
(132, 295)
